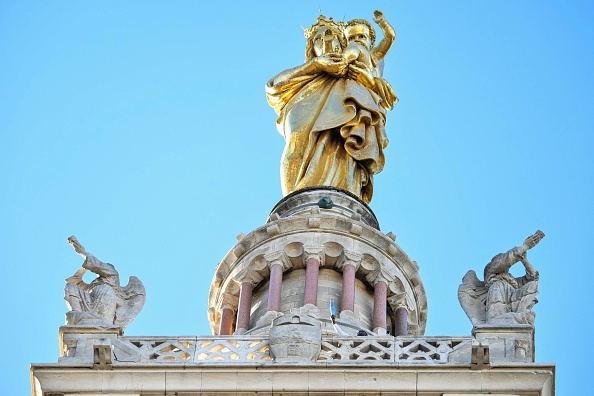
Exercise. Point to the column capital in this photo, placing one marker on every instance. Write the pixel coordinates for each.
(380, 275)
(248, 275)
(401, 300)
(227, 300)
(350, 258)
(314, 252)
(278, 258)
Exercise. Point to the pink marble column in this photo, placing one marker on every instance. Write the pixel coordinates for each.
(275, 286)
(348, 288)
(380, 296)
(312, 270)
(226, 326)
(245, 305)
(401, 322)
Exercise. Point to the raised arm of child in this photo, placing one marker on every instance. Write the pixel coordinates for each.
(389, 33)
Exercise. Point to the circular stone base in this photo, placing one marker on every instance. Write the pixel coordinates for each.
(343, 204)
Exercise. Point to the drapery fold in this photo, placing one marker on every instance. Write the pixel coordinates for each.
(334, 132)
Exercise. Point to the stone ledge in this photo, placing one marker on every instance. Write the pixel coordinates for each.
(249, 379)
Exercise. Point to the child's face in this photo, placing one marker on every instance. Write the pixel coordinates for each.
(359, 34)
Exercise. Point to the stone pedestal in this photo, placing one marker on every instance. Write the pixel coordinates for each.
(507, 343)
(77, 343)
(343, 204)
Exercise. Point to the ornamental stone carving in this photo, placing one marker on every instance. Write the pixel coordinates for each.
(502, 298)
(295, 337)
(103, 302)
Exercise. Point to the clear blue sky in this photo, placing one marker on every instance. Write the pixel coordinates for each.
(143, 129)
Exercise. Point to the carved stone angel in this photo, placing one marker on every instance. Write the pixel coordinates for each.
(502, 298)
(103, 301)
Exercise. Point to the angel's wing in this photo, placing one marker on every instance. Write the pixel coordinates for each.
(130, 301)
(472, 295)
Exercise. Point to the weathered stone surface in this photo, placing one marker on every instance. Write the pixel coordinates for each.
(343, 204)
(295, 338)
(502, 298)
(333, 238)
(103, 302)
(255, 379)
(78, 343)
(507, 343)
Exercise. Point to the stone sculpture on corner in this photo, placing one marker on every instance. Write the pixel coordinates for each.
(103, 302)
(502, 298)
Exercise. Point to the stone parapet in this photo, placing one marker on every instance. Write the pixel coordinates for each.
(238, 350)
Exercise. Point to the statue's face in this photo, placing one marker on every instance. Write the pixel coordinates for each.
(359, 34)
(318, 41)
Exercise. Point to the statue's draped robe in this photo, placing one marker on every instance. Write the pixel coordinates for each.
(334, 132)
(509, 298)
(98, 299)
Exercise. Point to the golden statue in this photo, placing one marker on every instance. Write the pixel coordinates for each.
(332, 109)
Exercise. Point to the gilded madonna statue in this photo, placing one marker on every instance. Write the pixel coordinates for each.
(332, 109)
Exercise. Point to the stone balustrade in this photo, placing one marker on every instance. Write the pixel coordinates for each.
(208, 350)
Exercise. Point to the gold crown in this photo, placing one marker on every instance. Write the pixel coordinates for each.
(322, 22)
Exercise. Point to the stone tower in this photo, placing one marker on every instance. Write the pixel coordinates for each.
(319, 245)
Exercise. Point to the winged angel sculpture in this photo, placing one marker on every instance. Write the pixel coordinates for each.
(102, 302)
(502, 298)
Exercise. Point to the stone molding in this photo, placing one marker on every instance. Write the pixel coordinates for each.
(255, 379)
(306, 200)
